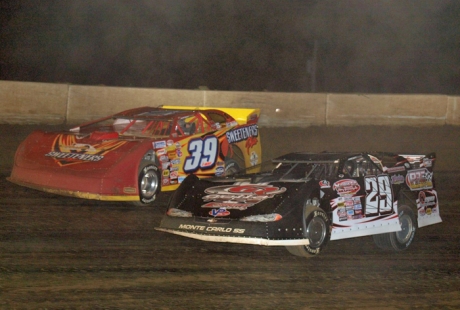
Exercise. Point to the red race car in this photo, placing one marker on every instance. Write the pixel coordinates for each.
(132, 155)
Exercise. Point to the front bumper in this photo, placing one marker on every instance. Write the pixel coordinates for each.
(81, 185)
(226, 230)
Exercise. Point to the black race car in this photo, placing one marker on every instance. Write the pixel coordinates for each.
(303, 200)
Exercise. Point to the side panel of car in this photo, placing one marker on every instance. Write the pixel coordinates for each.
(207, 155)
(364, 201)
(414, 174)
(361, 206)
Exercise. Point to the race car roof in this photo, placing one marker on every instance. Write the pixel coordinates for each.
(305, 157)
(149, 113)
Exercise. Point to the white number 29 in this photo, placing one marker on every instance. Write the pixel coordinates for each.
(379, 196)
(203, 154)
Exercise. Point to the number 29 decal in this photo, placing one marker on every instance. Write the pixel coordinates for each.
(203, 154)
(379, 196)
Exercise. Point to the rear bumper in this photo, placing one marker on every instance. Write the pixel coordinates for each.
(232, 231)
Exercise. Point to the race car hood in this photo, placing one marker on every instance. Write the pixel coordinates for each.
(234, 198)
(98, 151)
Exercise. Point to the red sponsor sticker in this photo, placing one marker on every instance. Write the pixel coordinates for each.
(347, 187)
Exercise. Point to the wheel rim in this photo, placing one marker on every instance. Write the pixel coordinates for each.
(316, 231)
(407, 227)
(149, 184)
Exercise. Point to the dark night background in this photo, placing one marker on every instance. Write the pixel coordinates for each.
(394, 46)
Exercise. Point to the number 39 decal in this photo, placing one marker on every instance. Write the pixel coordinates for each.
(203, 154)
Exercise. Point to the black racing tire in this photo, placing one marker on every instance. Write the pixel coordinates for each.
(149, 184)
(316, 229)
(231, 167)
(399, 240)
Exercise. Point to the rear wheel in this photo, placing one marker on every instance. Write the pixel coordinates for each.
(149, 185)
(316, 230)
(231, 167)
(399, 240)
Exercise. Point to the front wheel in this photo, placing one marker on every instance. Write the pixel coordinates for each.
(316, 230)
(399, 240)
(149, 184)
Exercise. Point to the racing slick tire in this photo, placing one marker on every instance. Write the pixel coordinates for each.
(149, 185)
(399, 240)
(231, 167)
(316, 229)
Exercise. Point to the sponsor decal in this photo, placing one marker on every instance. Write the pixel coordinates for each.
(397, 179)
(254, 158)
(250, 142)
(165, 181)
(65, 151)
(347, 208)
(165, 173)
(181, 179)
(82, 157)
(164, 165)
(164, 158)
(219, 212)
(419, 179)
(350, 214)
(212, 228)
(206, 164)
(395, 169)
(129, 190)
(231, 124)
(227, 205)
(169, 142)
(427, 203)
(325, 184)
(239, 195)
(427, 163)
(159, 144)
(346, 187)
(220, 171)
(242, 133)
(174, 175)
(172, 155)
(175, 161)
(342, 214)
(161, 152)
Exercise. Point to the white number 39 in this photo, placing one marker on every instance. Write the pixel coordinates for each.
(203, 154)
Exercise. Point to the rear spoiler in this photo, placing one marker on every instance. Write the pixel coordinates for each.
(419, 160)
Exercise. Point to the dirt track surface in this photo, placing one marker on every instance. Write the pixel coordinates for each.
(66, 253)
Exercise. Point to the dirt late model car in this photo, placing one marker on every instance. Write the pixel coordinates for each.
(132, 155)
(303, 200)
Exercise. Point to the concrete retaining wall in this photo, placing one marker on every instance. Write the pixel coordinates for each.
(42, 103)
(33, 103)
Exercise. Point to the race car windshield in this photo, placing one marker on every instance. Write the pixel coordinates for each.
(287, 171)
(300, 172)
(295, 171)
(142, 128)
